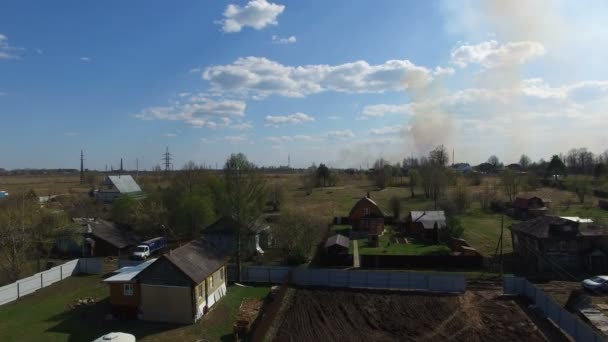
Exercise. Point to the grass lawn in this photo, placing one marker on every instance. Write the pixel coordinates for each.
(46, 316)
(482, 230)
(386, 247)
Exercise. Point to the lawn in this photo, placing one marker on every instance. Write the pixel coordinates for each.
(482, 230)
(46, 316)
(388, 247)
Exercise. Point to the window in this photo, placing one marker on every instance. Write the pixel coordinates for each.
(211, 282)
(200, 290)
(127, 289)
(366, 211)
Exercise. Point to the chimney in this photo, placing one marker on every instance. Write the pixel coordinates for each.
(368, 195)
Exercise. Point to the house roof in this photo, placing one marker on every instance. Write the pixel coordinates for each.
(199, 258)
(363, 200)
(429, 218)
(124, 183)
(540, 227)
(127, 273)
(337, 239)
(108, 231)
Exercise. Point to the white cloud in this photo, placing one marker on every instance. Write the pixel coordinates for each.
(256, 14)
(443, 71)
(7, 51)
(293, 119)
(490, 54)
(381, 110)
(340, 134)
(235, 138)
(261, 77)
(39, 51)
(85, 59)
(283, 40)
(334, 117)
(289, 138)
(71, 134)
(388, 130)
(197, 110)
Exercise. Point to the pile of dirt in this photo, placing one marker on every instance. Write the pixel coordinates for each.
(357, 315)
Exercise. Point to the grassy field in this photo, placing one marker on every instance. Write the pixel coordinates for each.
(46, 316)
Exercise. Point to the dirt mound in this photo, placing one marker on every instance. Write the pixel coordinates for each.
(354, 315)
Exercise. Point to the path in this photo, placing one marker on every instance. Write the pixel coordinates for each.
(356, 254)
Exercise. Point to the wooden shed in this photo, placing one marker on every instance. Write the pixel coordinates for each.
(337, 245)
(125, 290)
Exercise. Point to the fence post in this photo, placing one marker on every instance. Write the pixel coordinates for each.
(18, 291)
(269, 280)
(41, 280)
(60, 272)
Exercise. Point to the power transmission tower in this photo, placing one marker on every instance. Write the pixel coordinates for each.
(167, 158)
(81, 167)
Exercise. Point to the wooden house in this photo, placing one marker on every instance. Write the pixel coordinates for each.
(366, 218)
(529, 206)
(183, 284)
(105, 238)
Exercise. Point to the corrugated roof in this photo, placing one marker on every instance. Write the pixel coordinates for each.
(125, 184)
(127, 273)
(199, 258)
(429, 218)
(337, 239)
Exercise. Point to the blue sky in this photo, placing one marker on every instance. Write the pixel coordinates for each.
(340, 82)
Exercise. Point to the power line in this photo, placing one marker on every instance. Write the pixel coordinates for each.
(167, 158)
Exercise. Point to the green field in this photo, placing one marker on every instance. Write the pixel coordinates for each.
(46, 316)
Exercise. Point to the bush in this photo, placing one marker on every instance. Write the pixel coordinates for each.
(460, 196)
(395, 204)
(296, 234)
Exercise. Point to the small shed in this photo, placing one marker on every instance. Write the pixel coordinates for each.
(529, 206)
(426, 224)
(337, 244)
(125, 291)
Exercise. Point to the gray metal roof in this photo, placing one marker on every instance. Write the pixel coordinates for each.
(429, 218)
(127, 273)
(337, 240)
(125, 184)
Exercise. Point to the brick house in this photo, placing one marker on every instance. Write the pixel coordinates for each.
(551, 243)
(366, 218)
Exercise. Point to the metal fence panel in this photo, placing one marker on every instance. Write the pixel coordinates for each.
(554, 311)
(378, 280)
(90, 265)
(51, 276)
(69, 268)
(567, 322)
(418, 281)
(29, 285)
(279, 274)
(338, 278)
(8, 293)
(508, 285)
(300, 277)
(399, 280)
(358, 279)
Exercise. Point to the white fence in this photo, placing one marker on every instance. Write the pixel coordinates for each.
(394, 280)
(574, 327)
(40, 280)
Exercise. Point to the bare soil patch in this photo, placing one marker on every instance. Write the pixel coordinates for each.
(356, 315)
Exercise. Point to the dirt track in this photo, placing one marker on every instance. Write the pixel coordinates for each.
(351, 315)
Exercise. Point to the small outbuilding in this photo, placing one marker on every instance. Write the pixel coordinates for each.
(116, 186)
(426, 224)
(529, 206)
(337, 245)
(105, 238)
(125, 291)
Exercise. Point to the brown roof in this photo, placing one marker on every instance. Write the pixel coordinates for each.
(540, 227)
(364, 199)
(109, 232)
(199, 258)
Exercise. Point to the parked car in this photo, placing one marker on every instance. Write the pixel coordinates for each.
(596, 284)
(146, 248)
(116, 337)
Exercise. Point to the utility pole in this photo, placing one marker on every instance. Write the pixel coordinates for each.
(502, 221)
(121, 169)
(81, 167)
(136, 168)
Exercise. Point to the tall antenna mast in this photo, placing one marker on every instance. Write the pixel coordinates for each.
(288, 161)
(453, 161)
(121, 169)
(136, 168)
(81, 167)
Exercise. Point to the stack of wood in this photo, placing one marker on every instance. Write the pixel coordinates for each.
(248, 311)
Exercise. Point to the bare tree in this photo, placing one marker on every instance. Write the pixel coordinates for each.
(395, 204)
(524, 161)
(245, 196)
(510, 182)
(581, 186)
(414, 177)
